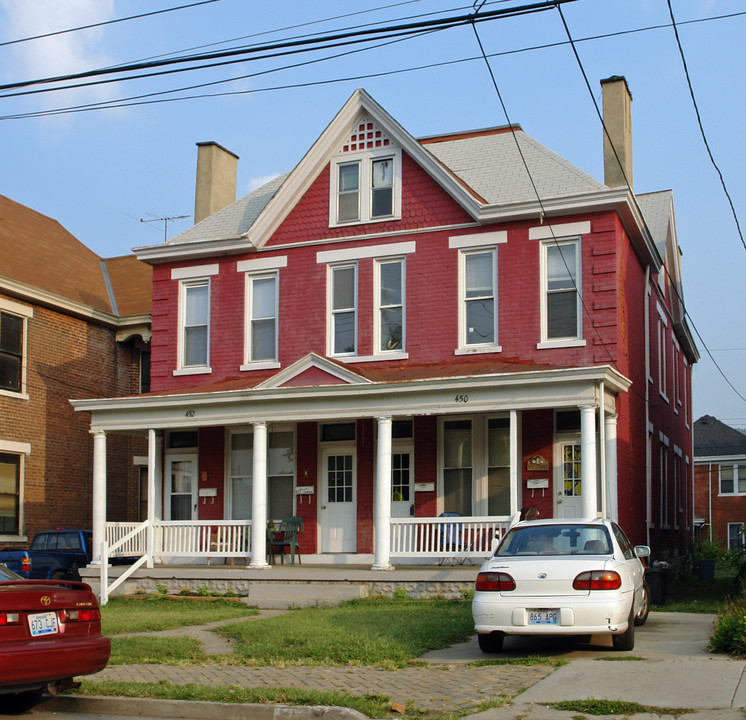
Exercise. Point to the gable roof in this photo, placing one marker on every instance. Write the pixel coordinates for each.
(40, 259)
(713, 438)
(482, 171)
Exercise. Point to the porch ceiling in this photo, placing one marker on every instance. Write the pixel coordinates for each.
(492, 392)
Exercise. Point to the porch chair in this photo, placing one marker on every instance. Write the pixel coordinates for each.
(286, 536)
(452, 539)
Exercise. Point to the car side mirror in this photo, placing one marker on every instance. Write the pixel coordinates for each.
(642, 551)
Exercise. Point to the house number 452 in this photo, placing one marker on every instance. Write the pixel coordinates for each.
(462, 398)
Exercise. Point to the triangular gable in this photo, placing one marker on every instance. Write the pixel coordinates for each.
(359, 110)
(312, 370)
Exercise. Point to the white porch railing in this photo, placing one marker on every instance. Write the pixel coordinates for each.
(445, 537)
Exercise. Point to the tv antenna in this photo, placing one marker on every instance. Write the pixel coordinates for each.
(164, 220)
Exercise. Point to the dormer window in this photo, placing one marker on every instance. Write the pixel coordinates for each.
(365, 182)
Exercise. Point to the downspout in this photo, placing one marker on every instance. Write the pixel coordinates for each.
(602, 445)
(648, 469)
(709, 500)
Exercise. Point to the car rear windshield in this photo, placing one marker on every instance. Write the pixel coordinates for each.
(556, 540)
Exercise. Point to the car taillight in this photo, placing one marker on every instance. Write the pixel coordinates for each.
(82, 615)
(597, 580)
(495, 582)
(26, 565)
(9, 618)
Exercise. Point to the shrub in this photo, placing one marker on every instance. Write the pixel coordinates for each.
(729, 635)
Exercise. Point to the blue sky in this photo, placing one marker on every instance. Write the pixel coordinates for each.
(98, 173)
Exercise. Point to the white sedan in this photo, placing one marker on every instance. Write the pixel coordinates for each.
(562, 577)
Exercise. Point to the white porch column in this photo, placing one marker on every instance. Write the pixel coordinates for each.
(150, 535)
(259, 498)
(588, 460)
(99, 494)
(612, 504)
(382, 497)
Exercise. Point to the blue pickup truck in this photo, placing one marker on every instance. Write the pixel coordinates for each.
(53, 555)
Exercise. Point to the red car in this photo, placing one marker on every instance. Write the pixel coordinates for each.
(50, 632)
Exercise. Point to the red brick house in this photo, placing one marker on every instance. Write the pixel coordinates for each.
(70, 324)
(400, 328)
(719, 483)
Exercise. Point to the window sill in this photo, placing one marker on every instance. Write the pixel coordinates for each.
(13, 538)
(193, 371)
(552, 344)
(371, 358)
(17, 395)
(665, 398)
(478, 349)
(268, 365)
(368, 221)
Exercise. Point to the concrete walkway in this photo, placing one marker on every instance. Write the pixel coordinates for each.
(669, 668)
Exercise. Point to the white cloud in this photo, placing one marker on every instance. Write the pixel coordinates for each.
(59, 54)
(257, 182)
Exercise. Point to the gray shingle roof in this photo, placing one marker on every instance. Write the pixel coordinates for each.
(493, 167)
(714, 438)
(656, 209)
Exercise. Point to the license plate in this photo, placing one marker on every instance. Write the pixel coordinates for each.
(43, 624)
(543, 617)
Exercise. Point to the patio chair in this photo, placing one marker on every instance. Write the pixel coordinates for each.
(451, 539)
(286, 536)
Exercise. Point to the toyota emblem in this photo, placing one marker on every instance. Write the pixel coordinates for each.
(46, 600)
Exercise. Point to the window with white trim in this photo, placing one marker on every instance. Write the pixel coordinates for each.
(390, 311)
(478, 312)
(280, 474)
(365, 178)
(735, 537)
(561, 308)
(194, 335)
(10, 493)
(343, 309)
(457, 467)
(262, 311)
(662, 354)
(733, 478)
(13, 329)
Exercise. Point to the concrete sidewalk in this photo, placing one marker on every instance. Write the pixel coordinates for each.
(669, 668)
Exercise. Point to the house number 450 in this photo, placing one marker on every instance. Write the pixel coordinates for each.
(462, 398)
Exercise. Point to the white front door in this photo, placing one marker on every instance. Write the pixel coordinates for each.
(338, 502)
(402, 478)
(181, 487)
(568, 482)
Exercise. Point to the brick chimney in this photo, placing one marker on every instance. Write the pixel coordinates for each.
(216, 179)
(617, 112)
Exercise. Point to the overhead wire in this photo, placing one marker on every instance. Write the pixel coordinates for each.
(701, 126)
(673, 284)
(126, 102)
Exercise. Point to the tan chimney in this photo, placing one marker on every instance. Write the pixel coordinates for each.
(617, 111)
(216, 179)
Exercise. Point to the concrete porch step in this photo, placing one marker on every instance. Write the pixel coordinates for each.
(279, 595)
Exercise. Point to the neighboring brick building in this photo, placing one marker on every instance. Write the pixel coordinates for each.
(719, 482)
(400, 328)
(71, 325)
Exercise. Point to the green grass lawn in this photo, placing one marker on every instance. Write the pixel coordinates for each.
(690, 594)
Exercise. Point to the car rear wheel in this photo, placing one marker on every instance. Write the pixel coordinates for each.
(626, 641)
(16, 703)
(642, 614)
(491, 642)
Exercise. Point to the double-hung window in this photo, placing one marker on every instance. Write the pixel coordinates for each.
(365, 187)
(10, 493)
(733, 478)
(478, 304)
(194, 318)
(561, 296)
(13, 321)
(390, 320)
(343, 309)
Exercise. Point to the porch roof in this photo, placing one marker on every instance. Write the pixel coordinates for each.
(469, 386)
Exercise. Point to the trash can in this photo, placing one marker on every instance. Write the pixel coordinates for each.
(706, 569)
(657, 579)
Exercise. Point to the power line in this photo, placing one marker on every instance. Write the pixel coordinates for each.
(105, 22)
(127, 101)
(300, 44)
(701, 127)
